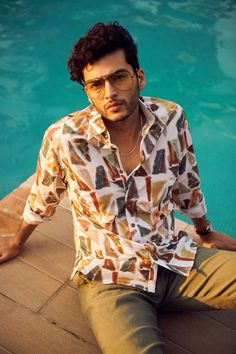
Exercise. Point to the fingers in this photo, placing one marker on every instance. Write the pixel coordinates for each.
(5, 256)
(8, 249)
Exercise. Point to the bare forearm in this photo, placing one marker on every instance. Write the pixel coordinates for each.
(207, 237)
(24, 231)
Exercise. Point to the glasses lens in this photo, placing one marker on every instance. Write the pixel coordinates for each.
(122, 80)
(94, 87)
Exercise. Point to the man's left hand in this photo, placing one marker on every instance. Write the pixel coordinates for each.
(216, 239)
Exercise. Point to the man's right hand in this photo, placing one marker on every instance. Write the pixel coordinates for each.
(9, 248)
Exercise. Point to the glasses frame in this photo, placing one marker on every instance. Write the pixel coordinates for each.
(104, 78)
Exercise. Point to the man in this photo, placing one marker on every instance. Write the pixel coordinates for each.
(127, 162)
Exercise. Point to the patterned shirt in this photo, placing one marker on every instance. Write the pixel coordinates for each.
(124, 224)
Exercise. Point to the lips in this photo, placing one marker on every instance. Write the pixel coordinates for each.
(113, 105)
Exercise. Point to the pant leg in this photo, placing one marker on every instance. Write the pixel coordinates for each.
(211, 283)
(122, 319)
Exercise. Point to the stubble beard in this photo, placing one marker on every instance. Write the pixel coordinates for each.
(130, 108)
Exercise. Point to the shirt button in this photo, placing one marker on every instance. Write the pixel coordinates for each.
(132, 225)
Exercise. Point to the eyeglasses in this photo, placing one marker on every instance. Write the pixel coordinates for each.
(121, 80)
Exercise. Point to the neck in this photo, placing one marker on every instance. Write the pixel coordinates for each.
(127, 136)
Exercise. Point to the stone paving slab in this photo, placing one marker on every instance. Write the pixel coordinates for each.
(60, 227)
(4, 351)
(174, 348)
(228, 318)
(64, 310)
(48, 255)
(24, 332)
(26, 285)
(190, 230)
(180, 225)
(21, 193)
(199, 333)
(27, 184)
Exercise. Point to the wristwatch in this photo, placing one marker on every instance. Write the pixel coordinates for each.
(206, 231)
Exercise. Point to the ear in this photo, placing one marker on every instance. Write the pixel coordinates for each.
(141, 78)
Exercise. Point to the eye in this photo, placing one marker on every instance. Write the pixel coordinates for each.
(120, 76)
(95, 85)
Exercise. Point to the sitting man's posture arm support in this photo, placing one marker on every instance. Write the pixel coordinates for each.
(11, 246)
(207, 237)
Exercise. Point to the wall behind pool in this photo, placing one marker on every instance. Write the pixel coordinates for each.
(186, 48)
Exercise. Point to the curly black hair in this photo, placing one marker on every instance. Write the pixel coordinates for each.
(102, 39)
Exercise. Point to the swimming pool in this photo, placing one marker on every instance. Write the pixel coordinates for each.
(187, 49)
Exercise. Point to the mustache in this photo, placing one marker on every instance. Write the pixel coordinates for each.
(113, 103)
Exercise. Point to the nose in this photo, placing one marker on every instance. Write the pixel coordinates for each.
(109, 90)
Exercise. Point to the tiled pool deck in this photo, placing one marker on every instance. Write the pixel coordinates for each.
(40, 311)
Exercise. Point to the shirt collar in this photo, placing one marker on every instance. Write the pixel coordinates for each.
(154, 123)
(96, 125)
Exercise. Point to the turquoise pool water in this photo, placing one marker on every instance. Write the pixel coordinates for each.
(187, 49)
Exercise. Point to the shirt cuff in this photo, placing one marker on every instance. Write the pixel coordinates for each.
(197, 211)
(33, 218)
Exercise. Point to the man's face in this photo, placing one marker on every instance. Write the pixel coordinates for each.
(113, 103)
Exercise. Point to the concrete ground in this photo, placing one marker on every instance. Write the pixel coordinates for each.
(40, 310)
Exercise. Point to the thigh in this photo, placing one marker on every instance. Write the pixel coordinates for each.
(122, 319)
(211, 283)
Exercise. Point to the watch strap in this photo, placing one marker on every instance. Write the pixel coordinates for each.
(206, 231)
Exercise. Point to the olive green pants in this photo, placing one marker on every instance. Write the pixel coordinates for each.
(124, 319)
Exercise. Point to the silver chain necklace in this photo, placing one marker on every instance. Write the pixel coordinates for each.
(136, 143)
